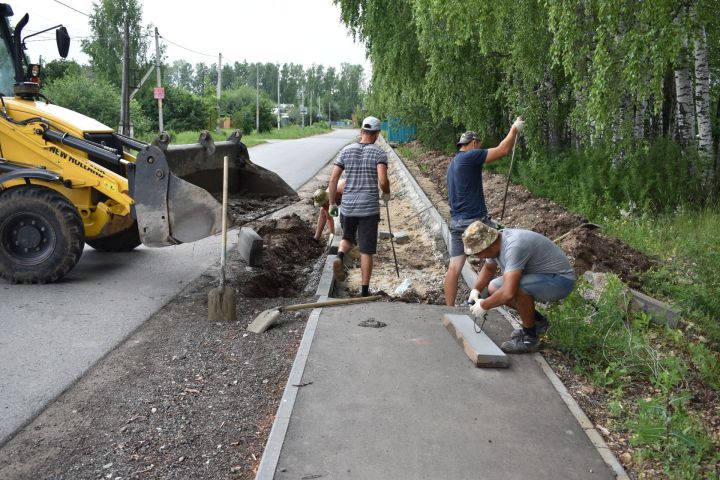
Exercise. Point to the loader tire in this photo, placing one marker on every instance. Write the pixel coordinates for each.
(41, 235)
(124, 241)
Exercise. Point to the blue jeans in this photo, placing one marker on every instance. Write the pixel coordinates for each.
(542, 287)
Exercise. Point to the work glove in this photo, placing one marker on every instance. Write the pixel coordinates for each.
(385, 197)
(478, 311)
(333, 210)
(519, 125)
(474, 296)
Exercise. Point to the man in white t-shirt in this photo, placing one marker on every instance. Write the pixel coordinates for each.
(533, 269)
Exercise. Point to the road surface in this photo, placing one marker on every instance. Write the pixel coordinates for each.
(50, 335)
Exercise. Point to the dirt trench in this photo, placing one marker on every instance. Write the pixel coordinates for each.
(590, 250)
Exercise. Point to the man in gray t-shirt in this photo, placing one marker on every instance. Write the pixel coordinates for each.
(533, 269)
(365, 166)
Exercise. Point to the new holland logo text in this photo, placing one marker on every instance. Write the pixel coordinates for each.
(77, 162)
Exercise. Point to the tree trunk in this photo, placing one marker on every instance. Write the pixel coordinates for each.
(668, 101)
(704, 121)
(685, 105)
(639, 120)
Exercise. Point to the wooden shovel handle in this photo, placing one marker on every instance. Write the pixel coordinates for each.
(329, 303)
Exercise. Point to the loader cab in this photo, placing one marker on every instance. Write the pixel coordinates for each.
(15, 71)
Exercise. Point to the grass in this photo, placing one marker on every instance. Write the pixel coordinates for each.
(285, 133)
(647, 373)
(687, 243)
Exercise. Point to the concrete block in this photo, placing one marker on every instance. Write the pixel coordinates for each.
(401, 237)
(383, 234)
(250, 246)
(325, 285)
(335, 243)
(481, 351)
(660, 312)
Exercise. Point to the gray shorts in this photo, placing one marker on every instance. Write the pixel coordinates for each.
(542, 287)
(361, 230)
(457, 227)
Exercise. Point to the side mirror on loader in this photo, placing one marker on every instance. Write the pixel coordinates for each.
(63, 41)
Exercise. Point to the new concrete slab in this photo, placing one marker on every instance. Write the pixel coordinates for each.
(478, 347)
(400, 402)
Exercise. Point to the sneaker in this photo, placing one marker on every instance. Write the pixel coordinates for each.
(339, 270)
(521, 344)
(541, 326)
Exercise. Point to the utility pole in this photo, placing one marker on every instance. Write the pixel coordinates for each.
(310, 110)
(257, 98)
(329, 102)
(124, 91)
(278, 118)
(219, 87)
(302, 107)
(159, 79)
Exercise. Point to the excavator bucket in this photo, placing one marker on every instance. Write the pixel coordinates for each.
(178, 188)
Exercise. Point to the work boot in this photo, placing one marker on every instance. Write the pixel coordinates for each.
(521, 344)
(339, 270)
(541, 326)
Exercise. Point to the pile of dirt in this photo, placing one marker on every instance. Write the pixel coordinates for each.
(281, 272)
(242, 210)
(590, 250)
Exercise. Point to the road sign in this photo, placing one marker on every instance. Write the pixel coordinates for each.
(159, 93)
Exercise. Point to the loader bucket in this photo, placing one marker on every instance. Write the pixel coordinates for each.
(178, 188)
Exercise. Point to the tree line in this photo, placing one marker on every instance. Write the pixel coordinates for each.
(620, 75)
(190, 90)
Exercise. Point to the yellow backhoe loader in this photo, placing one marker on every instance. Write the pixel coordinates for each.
(67, 180)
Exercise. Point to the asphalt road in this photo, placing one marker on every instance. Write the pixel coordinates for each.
(289, 158)
(50, 335)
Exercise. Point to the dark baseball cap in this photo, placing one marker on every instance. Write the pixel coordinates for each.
(467, 137)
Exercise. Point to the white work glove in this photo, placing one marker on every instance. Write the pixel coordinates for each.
(474, 297)
(519, 125)
(385, 197)
(478, 311)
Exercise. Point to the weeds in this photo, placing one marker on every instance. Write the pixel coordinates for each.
(614, 347)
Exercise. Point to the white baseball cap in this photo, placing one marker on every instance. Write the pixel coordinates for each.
(371, 124)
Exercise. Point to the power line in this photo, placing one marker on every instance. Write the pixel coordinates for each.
(72, 8)
(188, 49)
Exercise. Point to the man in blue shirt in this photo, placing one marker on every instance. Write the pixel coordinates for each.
(466, 197)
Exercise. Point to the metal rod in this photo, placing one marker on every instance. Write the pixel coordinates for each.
(392, 243)
(507, 185)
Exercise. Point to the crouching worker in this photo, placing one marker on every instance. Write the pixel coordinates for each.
(321, 200)
(533, 269)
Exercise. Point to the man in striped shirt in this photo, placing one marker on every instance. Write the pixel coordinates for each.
(365, 167)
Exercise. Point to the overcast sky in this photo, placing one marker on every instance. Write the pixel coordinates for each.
(284, 31)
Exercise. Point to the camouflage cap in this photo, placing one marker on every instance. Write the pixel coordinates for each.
(320, 197)
(467, 137)
(477, 237)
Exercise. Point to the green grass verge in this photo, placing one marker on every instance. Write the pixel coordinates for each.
(619, 351)
(285, 133)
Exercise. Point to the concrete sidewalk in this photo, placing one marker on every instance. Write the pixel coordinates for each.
(404, 402)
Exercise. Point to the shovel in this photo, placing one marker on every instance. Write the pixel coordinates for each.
(221, 300)
(589, 226)
(267, 317)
